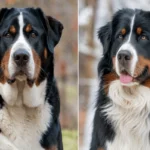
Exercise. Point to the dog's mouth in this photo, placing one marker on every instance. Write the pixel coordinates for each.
(127, 78)
(143, 76)
(21, 75)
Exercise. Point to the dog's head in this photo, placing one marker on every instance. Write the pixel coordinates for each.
(27, 41)
(126, 41)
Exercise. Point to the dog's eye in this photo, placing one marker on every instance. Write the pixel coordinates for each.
(7, 35)
(33, 35)
(144, 37)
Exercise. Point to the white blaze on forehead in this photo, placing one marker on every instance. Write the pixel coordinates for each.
(21, 23)
(128, 46)
(21, 43)
(131, 29)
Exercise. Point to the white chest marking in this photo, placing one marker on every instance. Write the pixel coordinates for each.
(129, 112)
(24, 126)
(26, 115)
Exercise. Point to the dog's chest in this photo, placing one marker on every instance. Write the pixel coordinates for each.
(128, 142)
(129, 113)
(24, 126)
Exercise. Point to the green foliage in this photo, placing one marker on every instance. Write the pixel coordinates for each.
(70, 139)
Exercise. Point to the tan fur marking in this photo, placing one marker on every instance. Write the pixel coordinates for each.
(12, 29)
(28, 28)
(123, 31)
(139, 30)
(45, 53)
(147, 83)
(114, 61)
(52, 148)
(142, 62)
(4, 65)
(108, 78)
(100, 149)
(37, 62)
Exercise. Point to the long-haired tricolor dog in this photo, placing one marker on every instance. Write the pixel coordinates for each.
(122, 117)
(29, 113)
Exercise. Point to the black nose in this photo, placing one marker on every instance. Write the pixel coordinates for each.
(21, 57)
(124, 56)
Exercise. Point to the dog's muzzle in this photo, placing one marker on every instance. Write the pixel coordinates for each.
(124, 59)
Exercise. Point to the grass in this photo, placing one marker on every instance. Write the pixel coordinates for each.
(70, 139)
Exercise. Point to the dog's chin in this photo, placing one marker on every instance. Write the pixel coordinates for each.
(130, 84)
(20, 76)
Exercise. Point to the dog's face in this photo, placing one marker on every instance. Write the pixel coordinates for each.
(27, 40)
(127, 41)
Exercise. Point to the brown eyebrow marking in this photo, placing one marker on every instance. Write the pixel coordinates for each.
(12, 29)
(123, 31)
(45, 53)
(28, 28)
(139, 30)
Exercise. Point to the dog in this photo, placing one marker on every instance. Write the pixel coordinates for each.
(29, 98)
(122, 114)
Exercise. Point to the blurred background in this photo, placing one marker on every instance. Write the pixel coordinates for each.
(92, 15)
(66, 53)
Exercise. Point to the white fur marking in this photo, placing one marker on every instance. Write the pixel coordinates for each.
(23, 44)
(24, 126)
(35, 96)
(128, 46)
(131, 29)
(9, 93)
(5, 144)
(20, 93)
(129, 112)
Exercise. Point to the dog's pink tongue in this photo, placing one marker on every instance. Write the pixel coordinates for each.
(125, 78)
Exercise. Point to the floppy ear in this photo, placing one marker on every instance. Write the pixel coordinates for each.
(56, 27)
(3, 12)
(104, 34)
(53, 29)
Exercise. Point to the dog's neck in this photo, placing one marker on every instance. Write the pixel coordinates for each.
(129, 108)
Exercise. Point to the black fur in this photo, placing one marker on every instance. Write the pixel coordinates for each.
(53, 133)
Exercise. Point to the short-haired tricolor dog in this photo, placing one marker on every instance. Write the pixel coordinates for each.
(122, 117)
(29, 113)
